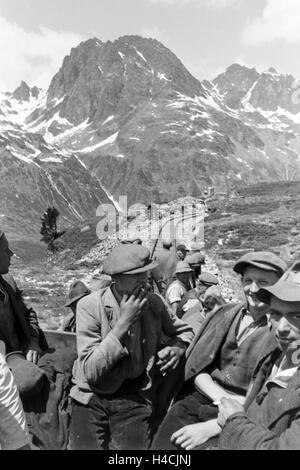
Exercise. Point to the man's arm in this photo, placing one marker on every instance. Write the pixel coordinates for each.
(242, 433)
(180, 334)
(206, 385)
(13, 428)
(33, 351)
(99, 355)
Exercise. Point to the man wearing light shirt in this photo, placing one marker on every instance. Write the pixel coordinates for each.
(222, 358)
(13, 428)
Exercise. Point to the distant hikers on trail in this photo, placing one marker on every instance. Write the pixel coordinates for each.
(179, 369)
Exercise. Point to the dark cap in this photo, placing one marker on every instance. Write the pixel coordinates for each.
(77, 290)
(181, 248)
(167, 243)
(262, 260)
(208, 279)
(128, 259)
(286, 289)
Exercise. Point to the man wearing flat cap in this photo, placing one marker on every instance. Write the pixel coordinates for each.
(196, 259)
(179, 255)
(119, 336)
(180, 286)
(77, 291)
(19, 328)
(270, 417)
(222, 358)
(196, 296)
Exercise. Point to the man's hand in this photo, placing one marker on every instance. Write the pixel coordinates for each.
(33, 352)
(130, 311)
(195, 435)
(228, 407)
(169, 357)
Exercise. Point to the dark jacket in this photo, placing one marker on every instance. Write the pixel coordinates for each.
(209, 338)
(26, 319)
(281, 432)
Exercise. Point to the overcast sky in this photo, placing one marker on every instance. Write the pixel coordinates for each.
(206, 35)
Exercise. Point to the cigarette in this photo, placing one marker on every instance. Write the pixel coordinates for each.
(216, 403)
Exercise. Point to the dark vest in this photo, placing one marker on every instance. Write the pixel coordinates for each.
(234, 365)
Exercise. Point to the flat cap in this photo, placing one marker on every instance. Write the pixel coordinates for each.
(195, 259)
(181, 248)
(286, 289)
(183, 267)
(196, 247)
(209, 279)
(77, 290)
(262, 260)
(128, 259)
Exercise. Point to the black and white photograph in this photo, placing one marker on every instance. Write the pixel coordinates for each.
(149, 227)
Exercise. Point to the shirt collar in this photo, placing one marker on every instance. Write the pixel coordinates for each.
(259, 322)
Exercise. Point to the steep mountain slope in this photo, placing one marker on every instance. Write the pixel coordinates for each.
(147, 128)
(35, 174)
(144, 127)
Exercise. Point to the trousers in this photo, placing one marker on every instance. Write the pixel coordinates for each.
(191, 407)
(115, 422)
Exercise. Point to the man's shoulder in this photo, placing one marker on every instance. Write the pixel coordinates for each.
(226, 312)
(9, 279)
(90, 299)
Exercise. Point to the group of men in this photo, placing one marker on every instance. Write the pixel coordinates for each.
(231, 382)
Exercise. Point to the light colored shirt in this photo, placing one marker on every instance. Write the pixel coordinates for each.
(13, 428)
(248, 325)
(281, 375)
(175, 292)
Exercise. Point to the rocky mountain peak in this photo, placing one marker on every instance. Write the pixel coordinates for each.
(99, 79)
(24, 92)
(273, 71)
(234, 83)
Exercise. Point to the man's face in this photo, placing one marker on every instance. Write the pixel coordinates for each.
(184, 277)
(5, 255)
(285, 319)
(181, 254)
(252, 280)
(201, 288)
(127, 283)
